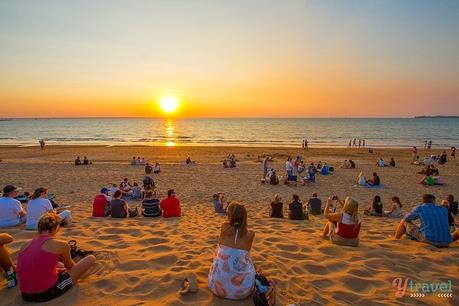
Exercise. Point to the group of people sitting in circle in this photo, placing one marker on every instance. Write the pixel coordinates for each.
(374, 180)
(79, 162)
(230, 161)
(113, 204)
(431, 174)
(382, 163)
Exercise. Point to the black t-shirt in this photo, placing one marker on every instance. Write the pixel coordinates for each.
(118, 208)
(277, 210)
(296, 211)
(378, 208)
(376, 180)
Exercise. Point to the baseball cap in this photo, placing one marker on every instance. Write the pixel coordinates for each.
(10, 188)
(104, 190)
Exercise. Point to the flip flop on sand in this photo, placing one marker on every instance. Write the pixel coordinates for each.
(189, 285)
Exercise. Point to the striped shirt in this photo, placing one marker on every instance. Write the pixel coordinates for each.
(151, 208)
(434, 222)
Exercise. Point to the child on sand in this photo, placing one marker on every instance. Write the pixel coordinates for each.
(39, 263)
(226, 279)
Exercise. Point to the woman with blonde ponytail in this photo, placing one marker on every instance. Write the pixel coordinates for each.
(343, 228)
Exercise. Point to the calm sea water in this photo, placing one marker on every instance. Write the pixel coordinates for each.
(444, 132)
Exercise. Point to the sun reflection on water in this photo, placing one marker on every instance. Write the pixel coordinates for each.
(170, 132)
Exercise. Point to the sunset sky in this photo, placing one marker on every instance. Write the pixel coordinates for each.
(229, 58)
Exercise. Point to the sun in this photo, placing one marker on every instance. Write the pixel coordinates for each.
(169, 104)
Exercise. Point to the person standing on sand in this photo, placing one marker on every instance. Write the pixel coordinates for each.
(453, 152)
(434, 227)
(414, 153)
(306, 144)
(265, 166)
(363, 143)
(171, 205)
(360, 143)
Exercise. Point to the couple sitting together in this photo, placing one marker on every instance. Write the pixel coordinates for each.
(12, 213)
(376, 208)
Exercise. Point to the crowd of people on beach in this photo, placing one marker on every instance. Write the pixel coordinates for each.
(46, 266)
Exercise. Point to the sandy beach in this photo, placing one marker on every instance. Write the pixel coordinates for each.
(142, 261)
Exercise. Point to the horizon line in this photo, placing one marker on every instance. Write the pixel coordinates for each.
(172, 117)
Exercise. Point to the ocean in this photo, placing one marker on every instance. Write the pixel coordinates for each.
(288, 132)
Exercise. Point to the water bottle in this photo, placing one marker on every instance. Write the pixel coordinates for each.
(11, 278)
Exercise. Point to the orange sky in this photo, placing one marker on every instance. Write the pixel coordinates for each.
(260, 59)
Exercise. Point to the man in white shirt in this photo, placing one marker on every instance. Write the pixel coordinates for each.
(11, 211)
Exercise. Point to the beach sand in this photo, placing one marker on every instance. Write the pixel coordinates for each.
(143, 261)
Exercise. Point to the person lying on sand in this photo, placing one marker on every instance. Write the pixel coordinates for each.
(41, 274)
(39, 205)
(376, 208)
(434, 228)
(396, 210)
(227, 280)
(342, 228)
(6, 262)
(11, 211)
(277, 207)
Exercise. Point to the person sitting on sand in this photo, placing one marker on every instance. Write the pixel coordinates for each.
(78, 161)
(396, 210)
(188, 161)
(374, 180)
(219, 206)
(148, 183)
(101, 204)
(343, 228)
(451, 223)
(434, 227)
(171, 205)
(296, 209)
(376, 208)
(135, 194)
(11, 211)
(125, 186)
(118, 208)
(345, 164)
(392, 162)
(232, 163)
(150, 205)
(381, 163)
(157, 168)
(232, 274)
(452, 205)
(114, 188)
(301, 167)
(133, 161)
(148, 169)
(314, 205)
(225, 164)
(6, 262)
(361, 181)
(351, 164)
(443, 158)
(138, 162)
(45, 267)
(325, 170)
(277, 207)
(427, 161)
(39, 205)
(274, 179)
(86, 161)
